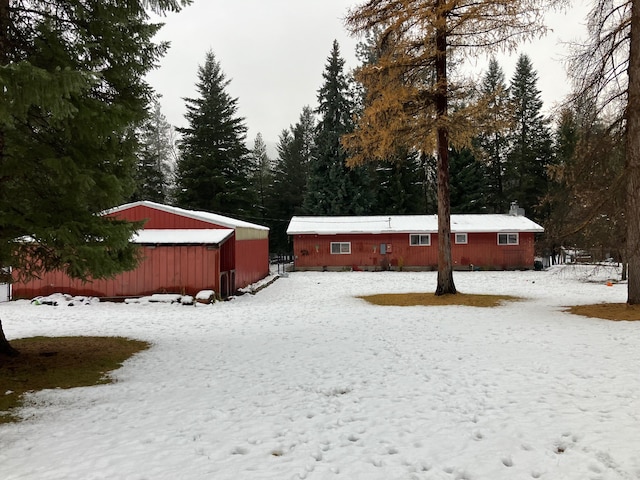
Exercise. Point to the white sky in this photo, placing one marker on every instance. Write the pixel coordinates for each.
(274, 53)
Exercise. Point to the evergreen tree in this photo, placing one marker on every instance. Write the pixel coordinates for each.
(468, 183)
(213, 169)
(566, 137)
(399, 186)
(492, 142)
(156, 158)
(261, 174)
(530, 144)
(305, 134)
(295, 150)
(73, 89)
(332, 188)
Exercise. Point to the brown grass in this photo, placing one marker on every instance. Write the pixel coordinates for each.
(432, 300)
(608, 311)
(59, 362)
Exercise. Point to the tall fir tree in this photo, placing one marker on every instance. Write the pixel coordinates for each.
(333, 188)
(566, 138)
(213, 169)
(72, 92)
(531, 153)
(295, 150)
(156, 158)
(492, 142)
(399, 186)
(468, 182)
(261, 175)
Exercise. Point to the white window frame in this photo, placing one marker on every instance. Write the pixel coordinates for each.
(510, 238)
(343, 248)
(461, 238)
(423, 239)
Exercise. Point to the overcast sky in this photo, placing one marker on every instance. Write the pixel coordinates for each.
(274, 53)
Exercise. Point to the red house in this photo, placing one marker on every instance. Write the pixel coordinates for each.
(410, 242)
(183, 251)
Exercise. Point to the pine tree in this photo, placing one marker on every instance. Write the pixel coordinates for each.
(566, 138)
(468, 183)
(156, 158)
(73, 90)
(492, 142)
(305, 134)
(295, 151)
(530, 144)
(261, 175)
(399, 186)
(213, 169)
(333, 188)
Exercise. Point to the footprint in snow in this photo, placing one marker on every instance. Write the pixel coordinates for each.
(507, 461)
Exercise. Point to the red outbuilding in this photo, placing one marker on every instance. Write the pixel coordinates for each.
(183, 251)
(410, 242)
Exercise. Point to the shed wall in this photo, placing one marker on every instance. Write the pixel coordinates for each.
(184, 269)
(481, 250)
(252, 261)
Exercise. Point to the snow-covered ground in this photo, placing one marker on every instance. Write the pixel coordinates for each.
(304, 380)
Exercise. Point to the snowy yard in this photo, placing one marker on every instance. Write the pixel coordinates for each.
(303, 380)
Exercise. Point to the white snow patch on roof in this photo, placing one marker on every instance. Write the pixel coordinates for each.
(478, 223)
(182, 236)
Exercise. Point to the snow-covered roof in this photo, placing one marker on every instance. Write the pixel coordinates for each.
(212, 236)
(478, 223)
(213, 218)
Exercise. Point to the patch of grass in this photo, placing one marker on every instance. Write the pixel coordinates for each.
(432, 300)
(608, 311)
(59, 362)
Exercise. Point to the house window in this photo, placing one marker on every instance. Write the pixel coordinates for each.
(461, 238)
(419, 239)
(340, 248)
(508, 239)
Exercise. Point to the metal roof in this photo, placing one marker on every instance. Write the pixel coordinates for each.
(213, 218)
(213, 236)
(468, 223)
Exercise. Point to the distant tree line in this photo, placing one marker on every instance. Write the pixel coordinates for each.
(552, 167)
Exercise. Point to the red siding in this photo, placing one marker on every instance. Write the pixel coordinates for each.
(175, 269)
(482, 250)
(165, 269)
(252, 261)
(160, 219)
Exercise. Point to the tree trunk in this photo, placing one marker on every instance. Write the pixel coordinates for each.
(6, 349)
(445, 265)
(4, 54)
(633, 161)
